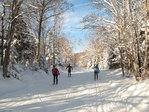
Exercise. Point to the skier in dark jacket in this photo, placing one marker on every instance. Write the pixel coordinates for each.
(96, 72)
(55, 73)
(69, 70)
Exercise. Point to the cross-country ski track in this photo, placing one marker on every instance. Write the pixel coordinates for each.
(79, 93)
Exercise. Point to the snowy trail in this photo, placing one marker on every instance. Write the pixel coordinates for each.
(79, 93)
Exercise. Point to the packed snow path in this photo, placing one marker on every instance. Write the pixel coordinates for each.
(79, 93)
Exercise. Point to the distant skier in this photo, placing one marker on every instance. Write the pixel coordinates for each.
(96, 72)
(69, 70)
(55, 73)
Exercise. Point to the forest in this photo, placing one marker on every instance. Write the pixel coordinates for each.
(31, 36)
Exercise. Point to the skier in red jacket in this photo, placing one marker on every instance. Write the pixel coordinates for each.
(55, 73)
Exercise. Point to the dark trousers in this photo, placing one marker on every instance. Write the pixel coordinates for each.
(96, 75)
(55, 79)
(69, 73)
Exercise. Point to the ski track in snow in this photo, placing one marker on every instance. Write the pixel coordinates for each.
(79, 93)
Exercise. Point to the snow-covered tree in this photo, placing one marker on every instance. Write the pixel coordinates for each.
(24, 44)
(43, 12)
(124, 18)
(65, 55)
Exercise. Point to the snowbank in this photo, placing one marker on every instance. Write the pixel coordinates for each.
(136, 94)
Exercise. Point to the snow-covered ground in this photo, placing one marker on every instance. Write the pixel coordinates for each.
(79, 93)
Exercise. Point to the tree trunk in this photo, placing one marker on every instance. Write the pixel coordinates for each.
(145, 63)
(40, 27)
(138, 52)
(3, 33)
(7, 52)
(6, 63)
(121, 61)
(15, 10)
(53, 50)
(39, 36)
(121, 56)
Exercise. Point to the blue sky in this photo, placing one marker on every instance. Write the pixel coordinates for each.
(72, 25)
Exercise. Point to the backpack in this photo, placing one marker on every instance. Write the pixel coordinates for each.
(96, 69)
(55, 71)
